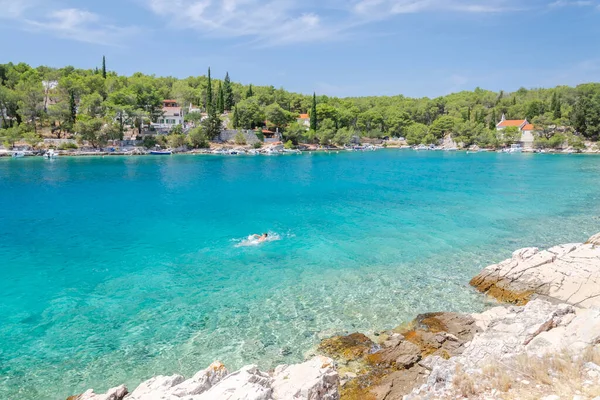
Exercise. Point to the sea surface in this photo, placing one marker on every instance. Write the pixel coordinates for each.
(113, 270)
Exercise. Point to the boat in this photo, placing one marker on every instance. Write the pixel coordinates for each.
(161, 152)
(451, 149)
(515, 148)
(421, 147)
(50, 154)
(18, 154)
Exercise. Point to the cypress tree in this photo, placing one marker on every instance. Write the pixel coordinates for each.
(209, 95)
(72, 107)
(249, 93)
(228, 92)
(556, 106)
(104, 67)
(313, 114)
(220, 100)
(469, 113)
(493, 120)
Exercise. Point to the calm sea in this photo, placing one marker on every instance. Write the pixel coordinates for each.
(113, 270)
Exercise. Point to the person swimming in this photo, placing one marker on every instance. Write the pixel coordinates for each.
(261, 238)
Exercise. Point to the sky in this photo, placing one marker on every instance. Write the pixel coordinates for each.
(332, 47)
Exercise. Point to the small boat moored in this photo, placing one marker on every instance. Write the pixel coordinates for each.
(161, 152)
(50, 154)
(18, 154)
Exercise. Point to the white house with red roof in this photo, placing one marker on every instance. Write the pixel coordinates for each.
(527, 130)
(304, 120)
(172, 115)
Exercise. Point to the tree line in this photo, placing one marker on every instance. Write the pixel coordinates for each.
(97, 105)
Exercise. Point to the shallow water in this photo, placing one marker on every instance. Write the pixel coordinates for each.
(113, 270)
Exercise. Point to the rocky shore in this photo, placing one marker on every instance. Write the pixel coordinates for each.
(542, 343)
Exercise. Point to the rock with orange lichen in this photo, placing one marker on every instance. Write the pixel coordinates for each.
(391, 369)
(348, 348)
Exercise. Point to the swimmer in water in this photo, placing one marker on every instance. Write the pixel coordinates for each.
(261, 238)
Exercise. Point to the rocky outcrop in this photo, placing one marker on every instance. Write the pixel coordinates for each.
(537, 329)
(315, 379)
(389, 367)
(567, 273)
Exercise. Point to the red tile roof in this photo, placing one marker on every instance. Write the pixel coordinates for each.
(528, 127)
(169, 101)
(512, 122)
(304, 116)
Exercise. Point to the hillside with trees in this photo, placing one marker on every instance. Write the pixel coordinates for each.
(97, 105)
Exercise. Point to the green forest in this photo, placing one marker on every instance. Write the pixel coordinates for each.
(96, 105)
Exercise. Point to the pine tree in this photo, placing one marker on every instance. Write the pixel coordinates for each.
(209, 95)
(313, 114)
(249, 93)
(220, 100)
(104, 67)
(236, 118)
(228, 92)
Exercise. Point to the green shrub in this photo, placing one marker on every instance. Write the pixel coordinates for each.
(149, 142)
(257, 145)
(68, 146)
(239, 139)
(289, 145)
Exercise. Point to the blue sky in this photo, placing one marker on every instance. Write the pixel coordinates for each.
(334, 47)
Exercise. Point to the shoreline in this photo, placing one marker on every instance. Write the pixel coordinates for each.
(69, 154)
(438, 354)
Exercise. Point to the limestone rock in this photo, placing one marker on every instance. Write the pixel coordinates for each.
(315, 379)
(249, 383)
(595, 240)
(202, 381)
(568, 273)
(157, 388)
(117, 393)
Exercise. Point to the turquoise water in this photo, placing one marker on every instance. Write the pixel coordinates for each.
(113, 270)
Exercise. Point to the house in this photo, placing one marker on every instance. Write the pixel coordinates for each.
(304, 120)
(526, 129)
(172, 115)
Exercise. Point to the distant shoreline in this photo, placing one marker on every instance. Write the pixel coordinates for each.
(8, 154)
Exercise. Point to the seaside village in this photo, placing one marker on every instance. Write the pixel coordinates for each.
(169, 131)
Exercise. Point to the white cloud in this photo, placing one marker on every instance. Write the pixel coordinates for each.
(381, 8)
(268, 23)
(274, 22)
(79, 25)
(13, 9)
(568, 3)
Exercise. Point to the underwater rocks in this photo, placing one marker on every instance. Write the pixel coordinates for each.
(567, 273)
(315, 379)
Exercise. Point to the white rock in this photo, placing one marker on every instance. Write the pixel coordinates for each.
(551, 397)
(569, 273)
(249, 383)
(315, 379)
(202, 381)
(157, 388)
(117, 393)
